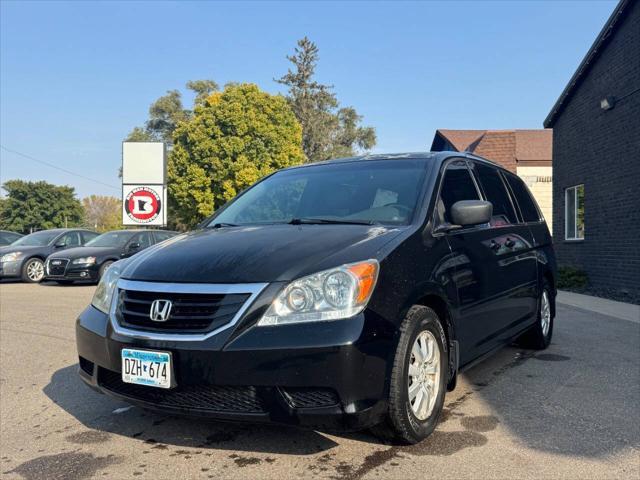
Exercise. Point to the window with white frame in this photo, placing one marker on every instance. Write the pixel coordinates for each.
(574, 213)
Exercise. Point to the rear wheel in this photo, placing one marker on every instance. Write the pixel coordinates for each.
(539, 336)
(33, 270)
(418, 378)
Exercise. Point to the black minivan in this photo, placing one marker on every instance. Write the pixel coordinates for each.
(344, 294)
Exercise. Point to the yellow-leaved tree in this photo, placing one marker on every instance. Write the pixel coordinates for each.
(233, 138)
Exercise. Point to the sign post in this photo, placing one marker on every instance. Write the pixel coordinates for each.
(144, 186)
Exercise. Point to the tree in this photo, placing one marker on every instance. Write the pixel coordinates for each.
(139, 134)
(38, 206)
(202, 89)
(328, 131)
(168, 111)
(234, 138)
(102, 213)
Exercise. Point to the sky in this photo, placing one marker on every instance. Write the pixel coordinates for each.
(76, 77)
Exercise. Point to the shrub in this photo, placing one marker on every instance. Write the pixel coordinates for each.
(571, 277)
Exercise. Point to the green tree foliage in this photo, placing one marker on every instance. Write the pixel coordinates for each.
(139, 134)
(202, 89)
(167, 111)
(102, 213)
(234, 138)
(38, 206)
(328, 131)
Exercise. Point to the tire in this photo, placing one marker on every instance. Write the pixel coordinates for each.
(103, 268)
(33, 270)
(406, 422)
(538, 337)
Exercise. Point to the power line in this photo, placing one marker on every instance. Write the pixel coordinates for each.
(58, 168)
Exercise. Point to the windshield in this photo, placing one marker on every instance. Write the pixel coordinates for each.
(37, 239)
(378, 191)
(111, 239)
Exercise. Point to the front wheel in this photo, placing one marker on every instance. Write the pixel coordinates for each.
(418, 378)
(33, 270)
(104, 268)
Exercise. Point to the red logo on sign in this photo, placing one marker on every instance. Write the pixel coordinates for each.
(142, 204)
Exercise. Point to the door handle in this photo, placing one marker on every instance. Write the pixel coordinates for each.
(495, 246)
(509, 243)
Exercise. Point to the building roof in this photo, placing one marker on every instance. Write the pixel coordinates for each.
(534, 144)
(461, 139)
(505, 147)
(609, 29)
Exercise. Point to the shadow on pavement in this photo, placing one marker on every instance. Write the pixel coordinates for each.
(577, 398)
(156, 431)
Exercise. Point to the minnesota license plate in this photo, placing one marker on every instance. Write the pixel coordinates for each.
(146, 367)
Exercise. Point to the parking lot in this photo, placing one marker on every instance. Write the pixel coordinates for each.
(571, 411)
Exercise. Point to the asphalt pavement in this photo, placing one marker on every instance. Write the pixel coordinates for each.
(572, 411)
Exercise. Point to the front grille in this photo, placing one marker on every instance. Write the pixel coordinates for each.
(205, 398)
(59, 269)
(311, 397)
(190, 312)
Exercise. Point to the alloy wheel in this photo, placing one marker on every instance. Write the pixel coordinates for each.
(545, 313)
(424, 375)
(35, 270)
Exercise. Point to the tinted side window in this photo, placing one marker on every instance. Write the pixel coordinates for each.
(146, 240)
(88, 236)
(143, 239)
(457, 185)
(523, 197)
(162, 236)
(71, 239)
(496, 193)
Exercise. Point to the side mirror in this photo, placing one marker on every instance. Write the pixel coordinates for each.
(60, 244)
(133, 246)
(471, 212)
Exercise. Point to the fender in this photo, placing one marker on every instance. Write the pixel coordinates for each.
(444, 302)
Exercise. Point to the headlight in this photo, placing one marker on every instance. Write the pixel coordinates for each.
(107, 286)
(10, 257)
(340, 292)
(84, 261)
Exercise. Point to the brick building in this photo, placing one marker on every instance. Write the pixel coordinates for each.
(526, 153)
(596, 160)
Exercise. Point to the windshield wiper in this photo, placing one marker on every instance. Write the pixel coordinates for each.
(327, 221)
(222, 224)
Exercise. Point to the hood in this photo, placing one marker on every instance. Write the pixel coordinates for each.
(256, 254)
(78, 252)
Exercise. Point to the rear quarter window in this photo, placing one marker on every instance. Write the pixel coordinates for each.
(496, 192)
(527, 204)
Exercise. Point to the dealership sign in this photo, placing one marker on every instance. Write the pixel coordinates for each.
(143, 184)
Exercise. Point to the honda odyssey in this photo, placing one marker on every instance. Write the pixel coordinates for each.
(345, 294)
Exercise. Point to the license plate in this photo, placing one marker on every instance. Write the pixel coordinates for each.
(146, 367)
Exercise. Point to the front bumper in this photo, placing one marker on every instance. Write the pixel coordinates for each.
(78, 272)
(11, 269)
(326, 375)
